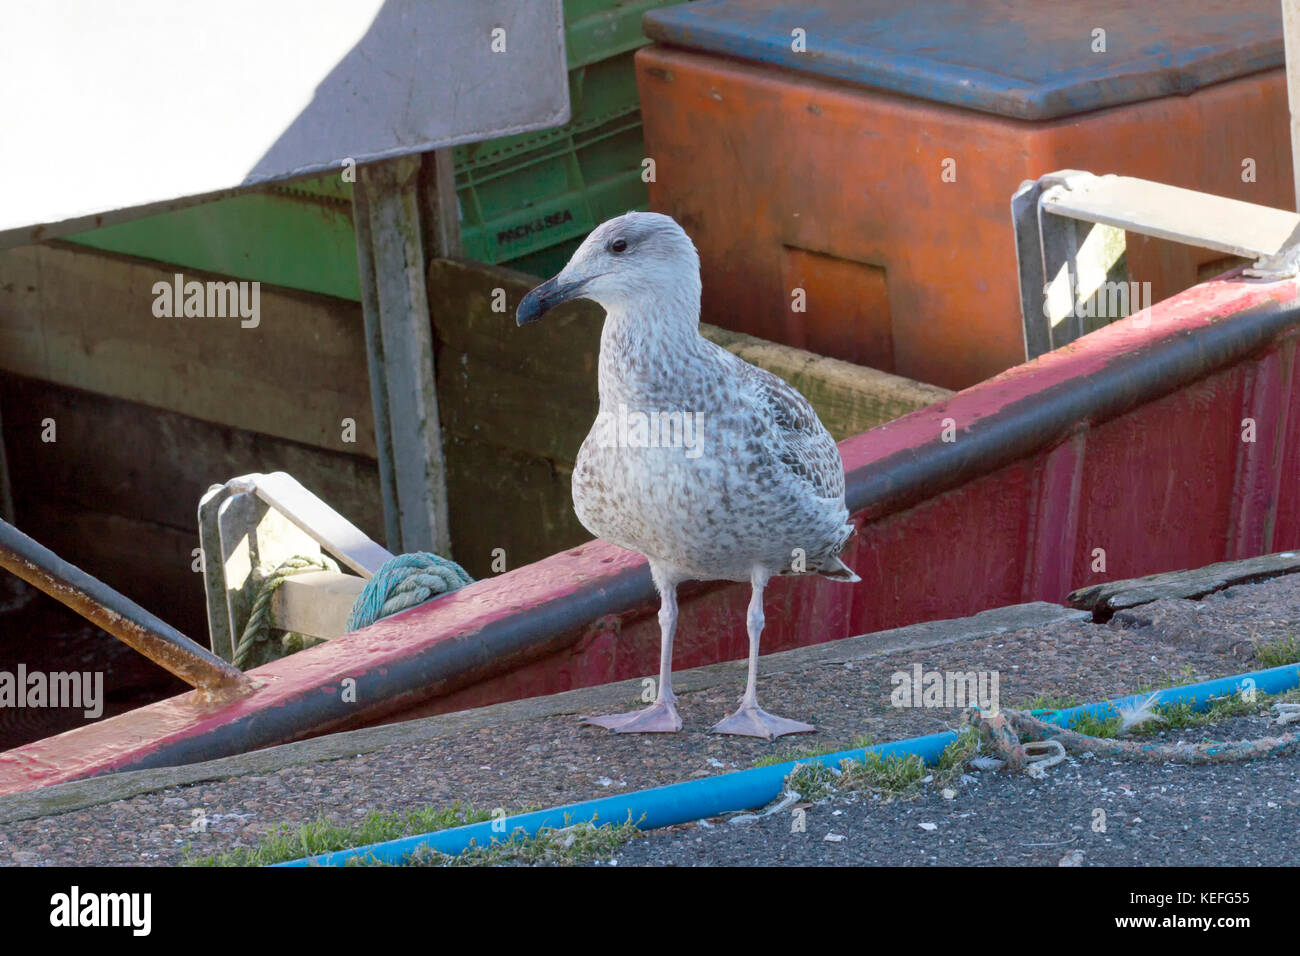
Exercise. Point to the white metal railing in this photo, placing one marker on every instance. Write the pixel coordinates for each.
(1070, 245)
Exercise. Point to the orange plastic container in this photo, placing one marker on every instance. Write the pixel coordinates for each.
(891, 211)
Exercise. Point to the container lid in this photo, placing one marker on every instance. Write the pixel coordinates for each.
(1027, 59)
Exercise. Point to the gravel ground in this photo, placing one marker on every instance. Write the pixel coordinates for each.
(1086, 812)
(545, 762)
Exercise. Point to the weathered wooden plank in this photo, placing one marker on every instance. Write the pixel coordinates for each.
(399, 341)
(849, 398)
(149, 464)
(1194, 583)
(1169, 212)
(86, 319)
(316, 603)
(152, 564)
(20, 305)
(496, 382)
(138, 467)
(510, 501)
(472, 318)
(439, 206)
(512, 410)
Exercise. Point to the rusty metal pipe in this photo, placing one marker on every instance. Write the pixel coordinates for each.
(115, 613)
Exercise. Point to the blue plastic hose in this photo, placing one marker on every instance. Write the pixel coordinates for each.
(749, 789)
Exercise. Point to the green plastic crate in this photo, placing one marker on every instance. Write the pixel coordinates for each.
(525, 200)
(600, 39)
(528, 200)
(581, 180)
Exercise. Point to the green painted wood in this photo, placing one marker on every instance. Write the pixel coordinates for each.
(299, 239)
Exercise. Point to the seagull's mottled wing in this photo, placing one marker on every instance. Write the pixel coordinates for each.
(801, 441)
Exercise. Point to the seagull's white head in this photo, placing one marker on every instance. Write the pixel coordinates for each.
(639, 263)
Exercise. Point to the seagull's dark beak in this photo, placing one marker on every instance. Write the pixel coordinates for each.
(547, 296)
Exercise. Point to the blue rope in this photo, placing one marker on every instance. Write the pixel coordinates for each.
(405, 581)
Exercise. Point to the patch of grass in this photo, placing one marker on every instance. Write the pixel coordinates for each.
(1096, 727)
(550, 846)
(952, 762)
(1054, 702)
(893, 777)
(1291, 696)
(1183, 716)
(1282, 650)
(1048, 702)
(1062, 701)
(812, 781)
(1179, 716)
(806, 752)
(289, 842)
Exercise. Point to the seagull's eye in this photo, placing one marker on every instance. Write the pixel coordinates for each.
(618, 245)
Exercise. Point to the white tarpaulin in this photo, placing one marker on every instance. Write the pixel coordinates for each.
(139, 104)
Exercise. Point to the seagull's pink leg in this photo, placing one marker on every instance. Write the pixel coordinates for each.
(661, 716)
(751, 720)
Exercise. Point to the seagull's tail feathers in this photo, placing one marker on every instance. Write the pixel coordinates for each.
(837, 570)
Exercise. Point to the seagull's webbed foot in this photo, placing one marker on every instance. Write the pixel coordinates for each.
(753, 721)
(659, 718)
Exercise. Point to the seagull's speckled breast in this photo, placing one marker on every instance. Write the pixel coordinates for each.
(761, 485)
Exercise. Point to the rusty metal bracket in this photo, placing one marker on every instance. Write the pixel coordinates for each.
(116, 613)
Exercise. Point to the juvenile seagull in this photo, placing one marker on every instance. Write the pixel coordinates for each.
(710, 467)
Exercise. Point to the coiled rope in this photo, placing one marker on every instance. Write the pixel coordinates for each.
(1002, 731)
(253, 642)
(401, 582)
(405, 581)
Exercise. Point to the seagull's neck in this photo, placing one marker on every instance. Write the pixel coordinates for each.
(645, 353)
